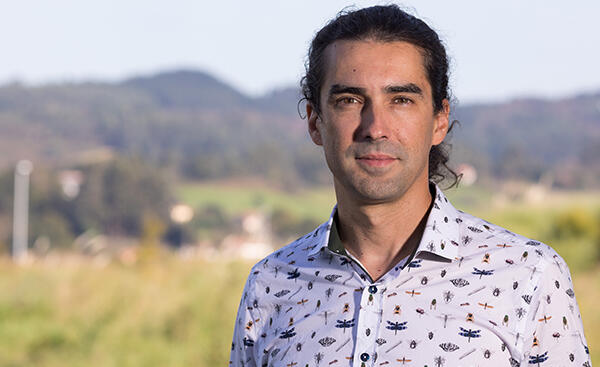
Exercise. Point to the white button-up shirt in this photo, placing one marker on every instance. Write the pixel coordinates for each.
(474, 294)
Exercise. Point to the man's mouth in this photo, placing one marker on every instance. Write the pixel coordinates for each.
(376, 159)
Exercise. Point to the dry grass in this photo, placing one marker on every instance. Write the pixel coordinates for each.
(169, 313)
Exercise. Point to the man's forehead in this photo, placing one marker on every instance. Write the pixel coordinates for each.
(351, 58)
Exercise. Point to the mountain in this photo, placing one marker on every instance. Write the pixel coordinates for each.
(188, 89)
(204, 128)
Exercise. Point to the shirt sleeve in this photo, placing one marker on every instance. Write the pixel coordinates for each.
(554, 330)
(245, 330)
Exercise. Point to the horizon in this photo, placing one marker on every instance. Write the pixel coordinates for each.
(282, 88)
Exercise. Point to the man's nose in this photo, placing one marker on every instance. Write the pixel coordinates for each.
(374, 123)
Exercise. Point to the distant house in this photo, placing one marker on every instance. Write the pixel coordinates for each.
(255, 241)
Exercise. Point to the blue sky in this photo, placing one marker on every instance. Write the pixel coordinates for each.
(499, 49)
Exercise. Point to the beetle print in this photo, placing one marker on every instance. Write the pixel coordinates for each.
(479, 297)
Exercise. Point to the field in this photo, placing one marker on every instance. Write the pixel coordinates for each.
(71, 311)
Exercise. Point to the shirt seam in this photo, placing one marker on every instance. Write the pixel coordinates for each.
(536, 300)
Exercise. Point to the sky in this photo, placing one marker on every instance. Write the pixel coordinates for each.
(499, 49)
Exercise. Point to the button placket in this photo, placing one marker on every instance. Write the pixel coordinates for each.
(368, 325)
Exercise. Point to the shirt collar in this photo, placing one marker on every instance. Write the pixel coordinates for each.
(440, 237)
(441, 234)
(321, 234)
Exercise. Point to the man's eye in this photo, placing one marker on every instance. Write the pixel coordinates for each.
(402, 100)
(347, 100)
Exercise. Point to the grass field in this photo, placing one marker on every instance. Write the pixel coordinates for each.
(172, 313)
(235, 198)
(69, 311)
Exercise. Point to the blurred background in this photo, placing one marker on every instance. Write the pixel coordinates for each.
(151, 152)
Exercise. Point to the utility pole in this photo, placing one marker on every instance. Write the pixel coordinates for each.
(21, 210)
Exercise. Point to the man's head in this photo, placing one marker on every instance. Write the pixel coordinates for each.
(384, 24)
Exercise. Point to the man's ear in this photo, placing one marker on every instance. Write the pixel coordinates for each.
(441, 123)
(313, 120)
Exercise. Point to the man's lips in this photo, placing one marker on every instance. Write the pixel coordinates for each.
(376, 160)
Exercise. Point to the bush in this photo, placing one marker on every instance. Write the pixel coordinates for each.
(575, 223)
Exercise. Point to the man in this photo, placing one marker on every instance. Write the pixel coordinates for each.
(398, 276)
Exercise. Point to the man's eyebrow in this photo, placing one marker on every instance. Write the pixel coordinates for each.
(340, 88)
(404, 88)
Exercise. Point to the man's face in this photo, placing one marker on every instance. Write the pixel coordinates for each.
(377, 123)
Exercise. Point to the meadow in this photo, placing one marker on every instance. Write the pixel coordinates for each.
(167, 311)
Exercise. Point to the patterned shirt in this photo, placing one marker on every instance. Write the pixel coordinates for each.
(472, 294)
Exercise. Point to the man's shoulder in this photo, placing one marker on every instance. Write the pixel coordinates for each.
(478, 235)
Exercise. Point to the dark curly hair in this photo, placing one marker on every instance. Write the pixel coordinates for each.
(386, 23)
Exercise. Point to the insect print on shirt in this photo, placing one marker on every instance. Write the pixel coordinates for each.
(344, 324)
(449, 347)
(545, 319)
(520, 312)
(538, 358)
(496, 291)
(481, 273)
(469, 333)
(536, 342)
(396, 326)
(414, 264)
(448, 295)
(485, 305)
(445, 318)
(477, 294)
(439, 361)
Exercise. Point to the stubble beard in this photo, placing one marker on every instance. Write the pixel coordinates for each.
(371, 186)
(375, 190)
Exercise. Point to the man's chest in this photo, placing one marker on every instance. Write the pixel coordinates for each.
(433, 314)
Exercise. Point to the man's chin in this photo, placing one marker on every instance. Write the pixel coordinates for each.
(374, 191)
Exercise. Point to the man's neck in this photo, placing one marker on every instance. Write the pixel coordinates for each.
(380, 235)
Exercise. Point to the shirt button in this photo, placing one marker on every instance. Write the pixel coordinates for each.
(372, 289)
(364, 357)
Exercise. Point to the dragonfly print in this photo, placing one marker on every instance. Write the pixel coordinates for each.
(287, 334)
(538, 358)
(344, 324)
(481, 273)
(295, 274)
(345, 261)
(467, 305)
(469, 333)
(396, 326)
(414, 264)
